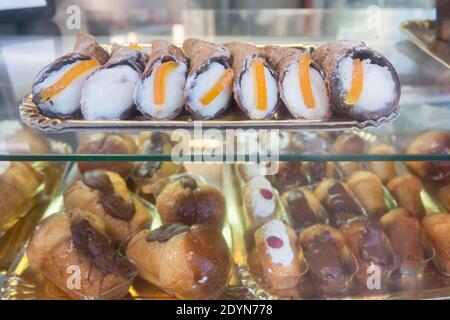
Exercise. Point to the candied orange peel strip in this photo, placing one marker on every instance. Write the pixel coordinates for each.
(68, 77)
(159, 82)
(135, 46)
(219, 86)
(260, 85)
(357, 83)
(305, 80)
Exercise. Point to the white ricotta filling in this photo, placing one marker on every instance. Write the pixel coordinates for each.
(261, 206)
(283, 255)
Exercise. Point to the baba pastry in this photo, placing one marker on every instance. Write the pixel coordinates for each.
(406, 190)
(436, 229)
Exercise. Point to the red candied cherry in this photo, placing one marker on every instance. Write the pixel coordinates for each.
(267, 194)
(274, 242)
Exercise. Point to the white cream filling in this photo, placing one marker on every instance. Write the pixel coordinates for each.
(173, 101)
(378, 89)
(261, 206)
(293, 94)
(202, 84)
(283, 255)
(248, 96)
(68, 100)
(109, 93)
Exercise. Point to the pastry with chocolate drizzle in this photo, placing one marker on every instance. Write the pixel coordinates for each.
(78, 238)
(188, 262)
(189, 201)
(105, 194)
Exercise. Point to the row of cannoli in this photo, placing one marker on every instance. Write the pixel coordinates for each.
(343, 78)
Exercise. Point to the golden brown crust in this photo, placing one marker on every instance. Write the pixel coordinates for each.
(444, 196)
(437, 231)
(190, 265)
(385, 170)
(163, 50)
(87, 45)
(204, 205)
(406, 190)
(107, 144)
(200, 52)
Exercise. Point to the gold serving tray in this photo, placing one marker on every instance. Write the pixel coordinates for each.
(423, 34)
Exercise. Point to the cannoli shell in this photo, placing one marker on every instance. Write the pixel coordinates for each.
(121, 55)
(87, 45)
(201, 53)
(165, 51)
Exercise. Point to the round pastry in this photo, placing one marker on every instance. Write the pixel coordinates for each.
(434, 142)
(437, 231)
(385, 170)
(188, 262)
(191, 202)
(74, 242)
(348, 143)
(148, 176)
(406, 190)
(107, 144)
(105, 194)
(310, 142)
(259, 201)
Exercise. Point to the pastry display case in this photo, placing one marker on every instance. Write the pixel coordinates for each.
(220, 152)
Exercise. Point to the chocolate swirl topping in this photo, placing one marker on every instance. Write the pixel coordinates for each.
(372, 245)
(99, 250)
(166, 232)
(340, 204)
(112, 203)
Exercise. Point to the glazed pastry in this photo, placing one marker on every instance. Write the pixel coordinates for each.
(319, 170)
(362, 83)
(281, 261)
(102, 143)
(444, 196)
(208, 90)
(348, 143)
(159, 92)
(434, 142)
(255, 82)
(403, 230)
(188, 262)
(371, 247)
(368, 189)
(259, 200)
(77, 238)
(107, 94)
(303, 207)
(57, 87)
(105, 194)
(437, 232)
(149, 177)
(17, 139)
(385, 170)
(191, 202)
(338, 200)
(406, 190)
(289, 175)
(301, 82)
(330, 262)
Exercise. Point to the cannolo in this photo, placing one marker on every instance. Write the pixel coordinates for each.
(159, 92)
(281, 261)
(368, 189)
(406, 191)
(57, 88)
(436, 229)
(362, 83)
(404, 232)
(208, 90)
(338, 200)
(259, 200)
(301, 82)
(107, 93)
(255, 82)
(75, 240)
(188, 262)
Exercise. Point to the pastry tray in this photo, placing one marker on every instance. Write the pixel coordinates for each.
(423, 34)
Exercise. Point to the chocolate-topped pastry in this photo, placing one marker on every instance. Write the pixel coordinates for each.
(436, 229)
(371, 247)
(149, 176)
(434, 142)
(105, 194)
(329, 261)
(78, 238)
(188, 262)
(406, 190)
(368, 189)
(107, 144)
(319, 170)
(303, 207)
(338, 201)
(259, 200)
(290, 175)
(403, 230)
(310, 142)
(282, 262)
(348, 143)
(191, 202)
